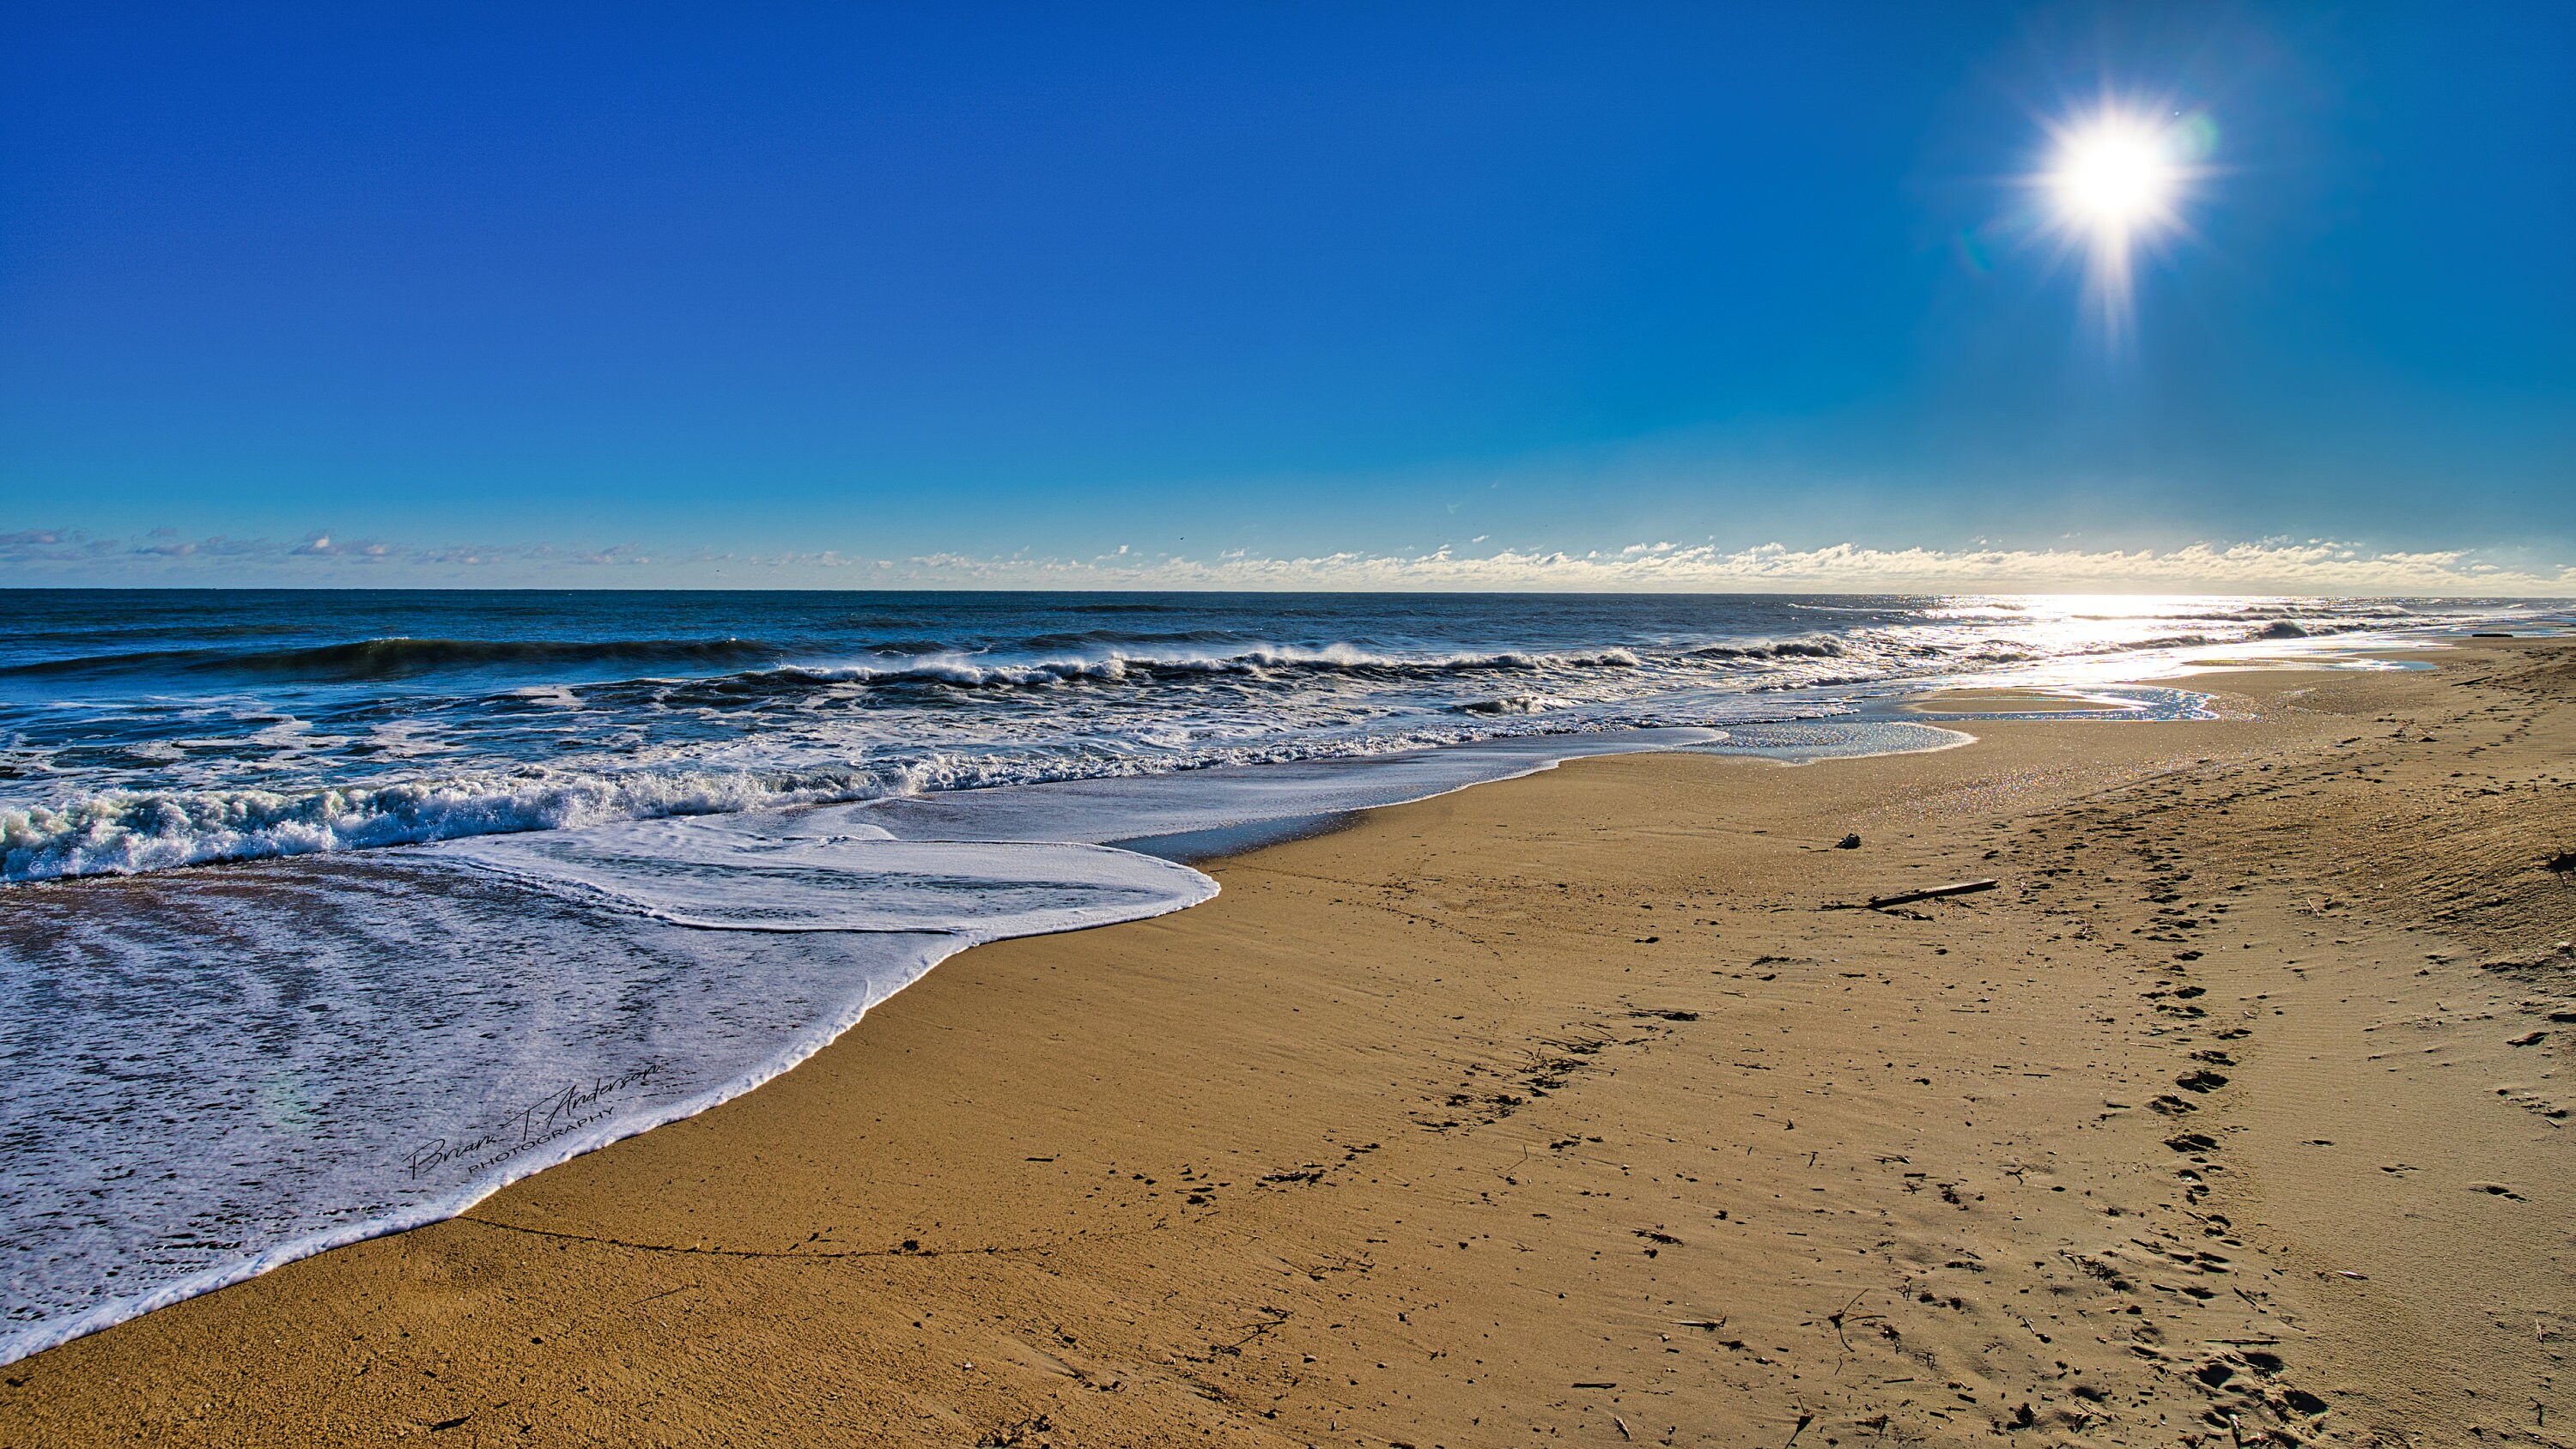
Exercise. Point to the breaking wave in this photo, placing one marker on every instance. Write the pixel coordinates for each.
(132, 833)
(394, 658)
(981, 672)
(224, 751)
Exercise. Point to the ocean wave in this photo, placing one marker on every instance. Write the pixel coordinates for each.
(1512, 704)
(130, 833)
(1119, 639)
(136, 832)
(1827, 681)
(2249, 613)
(985, 672)
(1785, 649)
(391, 658)
(236, 776)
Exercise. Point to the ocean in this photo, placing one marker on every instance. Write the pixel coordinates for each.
(324, 914)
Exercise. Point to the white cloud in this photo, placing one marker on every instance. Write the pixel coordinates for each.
(2313, 567)
(2271, 566)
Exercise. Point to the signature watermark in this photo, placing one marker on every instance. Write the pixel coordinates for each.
(557, 1114)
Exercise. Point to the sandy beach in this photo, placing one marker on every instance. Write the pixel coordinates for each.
(1591, 1107)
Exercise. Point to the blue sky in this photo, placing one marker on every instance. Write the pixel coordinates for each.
(1415, 296)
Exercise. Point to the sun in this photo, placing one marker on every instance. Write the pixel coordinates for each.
(2115, 183)
(2116, 175)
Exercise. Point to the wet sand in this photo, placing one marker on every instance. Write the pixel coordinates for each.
(2003, 701)
(1572, 1108)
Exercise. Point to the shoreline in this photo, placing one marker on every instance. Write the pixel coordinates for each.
(1002, 1237)
(487, 1152)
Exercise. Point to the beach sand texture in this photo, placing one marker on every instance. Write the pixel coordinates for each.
(1566, 1110)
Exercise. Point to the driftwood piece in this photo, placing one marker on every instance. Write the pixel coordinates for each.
(1881, 903)
(1959, 888)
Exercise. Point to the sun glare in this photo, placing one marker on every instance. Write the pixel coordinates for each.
(2115, 177)
(2116, 182)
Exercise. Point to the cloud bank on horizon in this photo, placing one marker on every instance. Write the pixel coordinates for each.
(69, 558)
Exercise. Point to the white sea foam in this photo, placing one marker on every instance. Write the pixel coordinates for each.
(121, 833)
(1138, 807)
(726, 874)
(375, 1042)
(129, 833)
